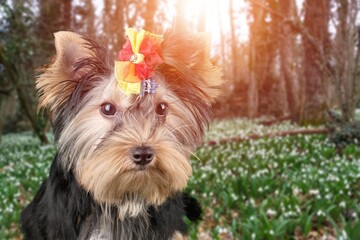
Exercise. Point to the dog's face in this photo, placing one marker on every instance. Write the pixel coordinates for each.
(128, 146)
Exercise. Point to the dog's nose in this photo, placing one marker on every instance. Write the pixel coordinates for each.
(142, 155)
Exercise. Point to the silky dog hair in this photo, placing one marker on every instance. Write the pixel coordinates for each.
(94, 189)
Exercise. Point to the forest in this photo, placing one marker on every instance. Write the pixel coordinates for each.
(290, 67)
(285, 59)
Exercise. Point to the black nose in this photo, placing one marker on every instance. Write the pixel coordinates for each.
(142, 155)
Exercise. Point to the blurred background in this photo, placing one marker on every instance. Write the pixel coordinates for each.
(281, 160)
(288, 59)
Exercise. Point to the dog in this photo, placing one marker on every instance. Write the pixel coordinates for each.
(124, 132)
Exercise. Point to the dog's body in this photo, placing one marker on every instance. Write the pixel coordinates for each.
(63, 210)
(122, 159)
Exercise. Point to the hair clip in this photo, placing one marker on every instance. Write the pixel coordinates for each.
(148, 86)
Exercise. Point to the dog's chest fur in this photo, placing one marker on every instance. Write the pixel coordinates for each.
(103, 228)
(142, 227)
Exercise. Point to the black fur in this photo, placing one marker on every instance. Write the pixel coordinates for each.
(58, 209)
(61, 207)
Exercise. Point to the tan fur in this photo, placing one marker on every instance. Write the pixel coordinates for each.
(206, 69)
(196, 56)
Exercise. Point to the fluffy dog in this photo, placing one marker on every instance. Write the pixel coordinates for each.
(124, 134)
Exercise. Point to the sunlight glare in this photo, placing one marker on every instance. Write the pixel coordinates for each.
(217, 17)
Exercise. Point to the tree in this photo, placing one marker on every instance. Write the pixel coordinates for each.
(83, 20)
(275, 93)
(316, 48)
(288, 59)
(113, 21)
(18, 58)
(6, 90)
(266, 89)
(256, 61)
(344, 63)
(52, 17)
(26, 44)
(233, 40)
(149, 13)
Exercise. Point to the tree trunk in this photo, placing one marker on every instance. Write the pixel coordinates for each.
(90, 19)
(120, 23)
(3, 104)
(347, 57)
(24, 98)
(356, 73)
(222, 41)
(253, 96)
(50, 21)
(288, 59)
(275, 77)
(148, 15)
(316, 22)
(108, 25)
(234, 41)
(256, 61)
(66, 13)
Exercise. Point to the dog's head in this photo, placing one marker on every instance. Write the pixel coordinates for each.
(121, 145)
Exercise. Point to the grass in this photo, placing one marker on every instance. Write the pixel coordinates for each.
(277, 188)
(24, 163)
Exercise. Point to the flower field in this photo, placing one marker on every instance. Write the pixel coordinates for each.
(297, 187)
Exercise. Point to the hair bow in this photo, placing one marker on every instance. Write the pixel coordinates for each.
(137, 62)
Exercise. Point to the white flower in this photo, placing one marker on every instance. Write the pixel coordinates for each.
(296, 191)
(320, 213)
(314, 192)
(271, 213)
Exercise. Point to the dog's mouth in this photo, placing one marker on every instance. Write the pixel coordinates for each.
(141, 168)
(147, 169)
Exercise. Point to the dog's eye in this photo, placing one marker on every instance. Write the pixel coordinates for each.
(108, 109)
(161, 109)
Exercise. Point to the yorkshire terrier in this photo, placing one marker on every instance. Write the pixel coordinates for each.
(124, 133)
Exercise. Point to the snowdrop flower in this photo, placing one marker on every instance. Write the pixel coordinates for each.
(320, 213)
(314, 192)
(271, 213)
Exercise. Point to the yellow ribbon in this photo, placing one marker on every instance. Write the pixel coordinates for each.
(135, 38)
(128, 82)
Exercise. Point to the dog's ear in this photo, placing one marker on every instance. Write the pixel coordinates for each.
(206, 68)
(190, 56)
(56, 84)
